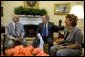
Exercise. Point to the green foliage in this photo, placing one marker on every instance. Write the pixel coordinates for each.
(29, 11)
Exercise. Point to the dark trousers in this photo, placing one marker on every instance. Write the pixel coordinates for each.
(48, 41)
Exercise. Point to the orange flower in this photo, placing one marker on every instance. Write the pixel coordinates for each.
(36, 51)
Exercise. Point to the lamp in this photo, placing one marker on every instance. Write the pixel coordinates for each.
(78, 10)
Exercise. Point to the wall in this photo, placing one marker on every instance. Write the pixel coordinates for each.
(8, 8)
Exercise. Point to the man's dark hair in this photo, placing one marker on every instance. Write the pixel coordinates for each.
(47, 17)
(36, 42)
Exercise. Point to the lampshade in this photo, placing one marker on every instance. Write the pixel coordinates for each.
(78, 10)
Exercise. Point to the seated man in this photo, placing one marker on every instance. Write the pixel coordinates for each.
(71, 44)
(46, 29)
(15, 33)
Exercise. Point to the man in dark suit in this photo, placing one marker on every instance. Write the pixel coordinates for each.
(46, 29)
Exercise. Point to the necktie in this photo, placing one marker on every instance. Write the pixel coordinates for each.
(44, 31)
(15, 29)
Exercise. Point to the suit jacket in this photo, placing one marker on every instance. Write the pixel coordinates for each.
(10, 31)
(51, 27)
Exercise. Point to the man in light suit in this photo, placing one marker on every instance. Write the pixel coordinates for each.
(46, 30)
(15, 33)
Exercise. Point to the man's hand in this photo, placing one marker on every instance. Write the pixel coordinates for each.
(15, 39)
(20, 39)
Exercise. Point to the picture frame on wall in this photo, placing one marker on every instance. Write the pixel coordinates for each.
(31, 4)
(61, 8)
